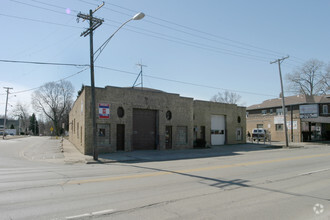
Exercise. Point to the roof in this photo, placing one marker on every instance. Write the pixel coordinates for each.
(291, 100)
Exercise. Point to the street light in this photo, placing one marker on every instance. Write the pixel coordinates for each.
(138, 16)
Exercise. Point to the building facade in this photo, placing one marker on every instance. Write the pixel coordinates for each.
(144, 119)
(308, 118)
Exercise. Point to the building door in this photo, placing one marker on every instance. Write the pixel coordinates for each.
(168, 137)
(144, 129)
(239, 134)
(218, 129)
(203, 133)
(120, 137)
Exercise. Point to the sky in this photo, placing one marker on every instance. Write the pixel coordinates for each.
(192, 48)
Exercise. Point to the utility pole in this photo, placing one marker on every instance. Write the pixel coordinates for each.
(93, 24)
(279, 61)
(4, 121)
(140, 74)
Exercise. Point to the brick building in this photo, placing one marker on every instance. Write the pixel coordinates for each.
(145, 119)
(308, 118)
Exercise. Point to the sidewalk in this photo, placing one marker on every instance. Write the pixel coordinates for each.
(72, 155)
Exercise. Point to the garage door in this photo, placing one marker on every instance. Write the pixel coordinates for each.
(144, 129)
(218, 129)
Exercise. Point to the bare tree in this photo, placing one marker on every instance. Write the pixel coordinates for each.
(54, 100)
(226, 97)
(21, 111)
(309, 79)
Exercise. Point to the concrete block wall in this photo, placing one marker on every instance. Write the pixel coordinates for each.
(235, 118)
(184, 111)
(77, 123)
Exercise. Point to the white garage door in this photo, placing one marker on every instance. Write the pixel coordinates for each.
(218, 129)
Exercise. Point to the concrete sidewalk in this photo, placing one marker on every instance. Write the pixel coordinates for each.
(72, 155)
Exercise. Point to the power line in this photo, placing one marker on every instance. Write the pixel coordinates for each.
(184, 42)
(153, 77)
(44, 63)
(40, 21)
(35, 6)
(196, 30)
(186, 83)
(28, 90)
(243, 47)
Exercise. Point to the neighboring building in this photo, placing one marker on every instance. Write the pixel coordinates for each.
(145, 119)
(9, 124)
(308, 118)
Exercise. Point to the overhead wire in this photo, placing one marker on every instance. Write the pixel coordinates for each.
(183, 82)
(168, 37)
(44, 63)
(231, 52)
(40, 21)
(123, 71)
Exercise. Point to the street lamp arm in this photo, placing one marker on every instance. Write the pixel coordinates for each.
(138, 16)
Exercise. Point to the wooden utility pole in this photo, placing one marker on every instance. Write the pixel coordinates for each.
(5, 119)
(93, 24)
(279, 61)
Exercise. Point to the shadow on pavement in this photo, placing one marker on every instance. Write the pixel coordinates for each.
(168, 155)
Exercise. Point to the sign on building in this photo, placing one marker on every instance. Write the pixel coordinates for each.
(104, 111)
(294, 125)
(309, 111)
(279, 119)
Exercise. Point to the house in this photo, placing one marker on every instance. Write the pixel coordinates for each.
(146, 119)
(308, 118)
(12, 126)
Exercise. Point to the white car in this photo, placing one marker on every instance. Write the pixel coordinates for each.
(259, 134)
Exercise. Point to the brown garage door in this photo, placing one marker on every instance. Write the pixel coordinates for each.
(144, 129)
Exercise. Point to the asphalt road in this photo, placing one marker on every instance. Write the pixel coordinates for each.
(263, 184)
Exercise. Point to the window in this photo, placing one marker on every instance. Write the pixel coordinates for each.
(103, 134)
(260, 125)
(168, 115)
(264, 111)
(279, 127)
(280, 112)
(325, 109)
(182, 138)
(120, 112)
(238, 119)
(271, 111)
(77, 130)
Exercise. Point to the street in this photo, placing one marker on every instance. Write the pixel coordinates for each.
(271, 183)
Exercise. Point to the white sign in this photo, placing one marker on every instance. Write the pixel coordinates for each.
(309, 111)
(294, 125)
(279, 119)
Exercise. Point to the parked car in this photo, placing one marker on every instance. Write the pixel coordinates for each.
(260, 134)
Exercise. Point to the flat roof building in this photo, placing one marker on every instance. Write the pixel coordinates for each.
(147, 119)
(308, 118)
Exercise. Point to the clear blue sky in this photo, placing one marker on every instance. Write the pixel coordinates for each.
(214, 43)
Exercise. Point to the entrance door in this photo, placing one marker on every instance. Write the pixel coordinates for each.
(168, 137)
(239, 134)
(144, 129)
(120, 137)
(203, 133)
(218, 128)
